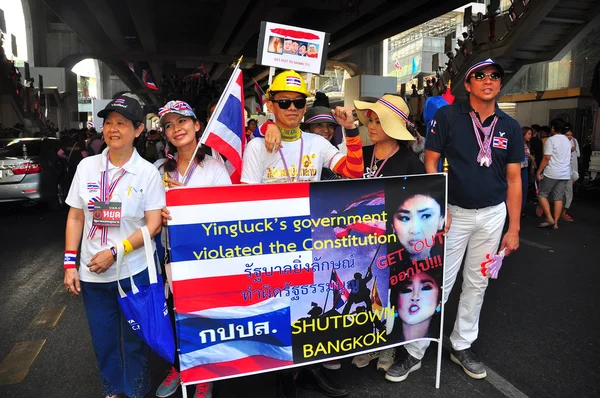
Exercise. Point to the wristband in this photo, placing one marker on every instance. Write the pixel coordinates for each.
(128, 246)
(351, 132)
(113, 250)
(70, 257)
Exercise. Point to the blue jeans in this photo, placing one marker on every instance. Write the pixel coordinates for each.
(524, 179)
(123, 358)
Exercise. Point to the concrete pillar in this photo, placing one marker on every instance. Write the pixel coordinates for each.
(369, 60)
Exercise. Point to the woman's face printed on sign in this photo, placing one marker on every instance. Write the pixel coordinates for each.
(418, 298)
(418, 218)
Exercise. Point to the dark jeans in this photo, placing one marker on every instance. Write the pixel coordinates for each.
(123, 358)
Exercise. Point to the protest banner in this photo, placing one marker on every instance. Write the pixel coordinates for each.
(273, 276)
(292, 47)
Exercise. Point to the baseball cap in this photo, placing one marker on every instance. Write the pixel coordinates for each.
(126, 106)
(179, 107)
(484, 64)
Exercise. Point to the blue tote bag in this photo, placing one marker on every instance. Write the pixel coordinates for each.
(145, 307)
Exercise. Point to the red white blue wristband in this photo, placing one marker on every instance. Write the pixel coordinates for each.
(70, 257)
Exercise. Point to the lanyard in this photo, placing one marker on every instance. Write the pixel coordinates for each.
(373, 164)
(484, 157)
(107, 188)
(287, 173)
(189, 174)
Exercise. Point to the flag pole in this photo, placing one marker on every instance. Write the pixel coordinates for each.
(211, 121)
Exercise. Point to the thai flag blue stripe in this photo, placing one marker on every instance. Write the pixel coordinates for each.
(231, 116)
(231, 351)
(184, 250)
(276, 331)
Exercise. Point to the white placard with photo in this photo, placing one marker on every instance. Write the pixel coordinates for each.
(291, 47)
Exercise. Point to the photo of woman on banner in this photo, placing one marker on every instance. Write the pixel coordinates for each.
(418, 301)
(417, 217)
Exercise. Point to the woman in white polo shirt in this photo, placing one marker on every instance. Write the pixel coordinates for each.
(182, 130)
(130, 188)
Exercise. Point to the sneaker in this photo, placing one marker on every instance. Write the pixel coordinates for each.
(399, 371)
(363, 360)
(567, 217)
(332, 365)
(169, 384)
(204, 390)
(470, 362)
(386, 359)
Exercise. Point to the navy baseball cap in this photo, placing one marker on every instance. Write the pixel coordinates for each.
(484, 64)
(126, 106)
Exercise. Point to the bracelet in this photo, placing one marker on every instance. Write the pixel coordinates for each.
(113, 250)
(128, 246)
(70, 257)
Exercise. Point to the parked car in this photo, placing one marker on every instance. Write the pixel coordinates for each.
(31, 172)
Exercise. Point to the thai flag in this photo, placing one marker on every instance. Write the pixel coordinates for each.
(340, 293)
(130, 66)
(225, 132)
(148, 81)
(90, 124)
(119, 101)
(229, 320)
(397, 64)
(373, 203)
(500, 142)
(293, 81)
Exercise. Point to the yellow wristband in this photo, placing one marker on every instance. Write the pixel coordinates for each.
(128, 246)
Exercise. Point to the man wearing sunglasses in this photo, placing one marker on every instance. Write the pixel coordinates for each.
(484, 148)
(301, 156)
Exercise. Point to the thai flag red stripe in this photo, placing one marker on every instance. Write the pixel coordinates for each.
(231, 284)
(239, 193)
(231, 368)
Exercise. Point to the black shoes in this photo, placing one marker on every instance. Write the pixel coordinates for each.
(311, 378)
(470, 362)
(286, 386)
(315, 378)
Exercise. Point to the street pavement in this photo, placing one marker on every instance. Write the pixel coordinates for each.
(538, 335)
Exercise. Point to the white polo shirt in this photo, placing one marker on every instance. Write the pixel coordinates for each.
(141, 189)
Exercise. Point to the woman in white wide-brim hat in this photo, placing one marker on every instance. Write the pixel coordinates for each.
(386, 120)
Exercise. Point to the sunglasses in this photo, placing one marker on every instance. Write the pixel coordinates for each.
(481, 76)
(299, 103)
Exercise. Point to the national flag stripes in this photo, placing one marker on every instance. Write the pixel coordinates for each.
(225, 132)
(293, 81)
(500, 142)
(230, 320)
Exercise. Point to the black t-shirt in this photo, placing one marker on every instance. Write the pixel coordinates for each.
(470, 185)
(403, 162)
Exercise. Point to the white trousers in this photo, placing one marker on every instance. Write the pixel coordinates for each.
(476, 232)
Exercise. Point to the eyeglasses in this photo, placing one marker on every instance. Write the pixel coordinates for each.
(299, 103)
(481, 76)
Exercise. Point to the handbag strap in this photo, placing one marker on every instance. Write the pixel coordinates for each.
(149, 255)
(120, 255)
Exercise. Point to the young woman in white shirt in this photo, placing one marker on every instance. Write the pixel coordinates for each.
(182, 131)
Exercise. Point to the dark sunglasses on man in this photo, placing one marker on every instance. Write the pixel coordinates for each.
(284, 104)
(479, 76)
